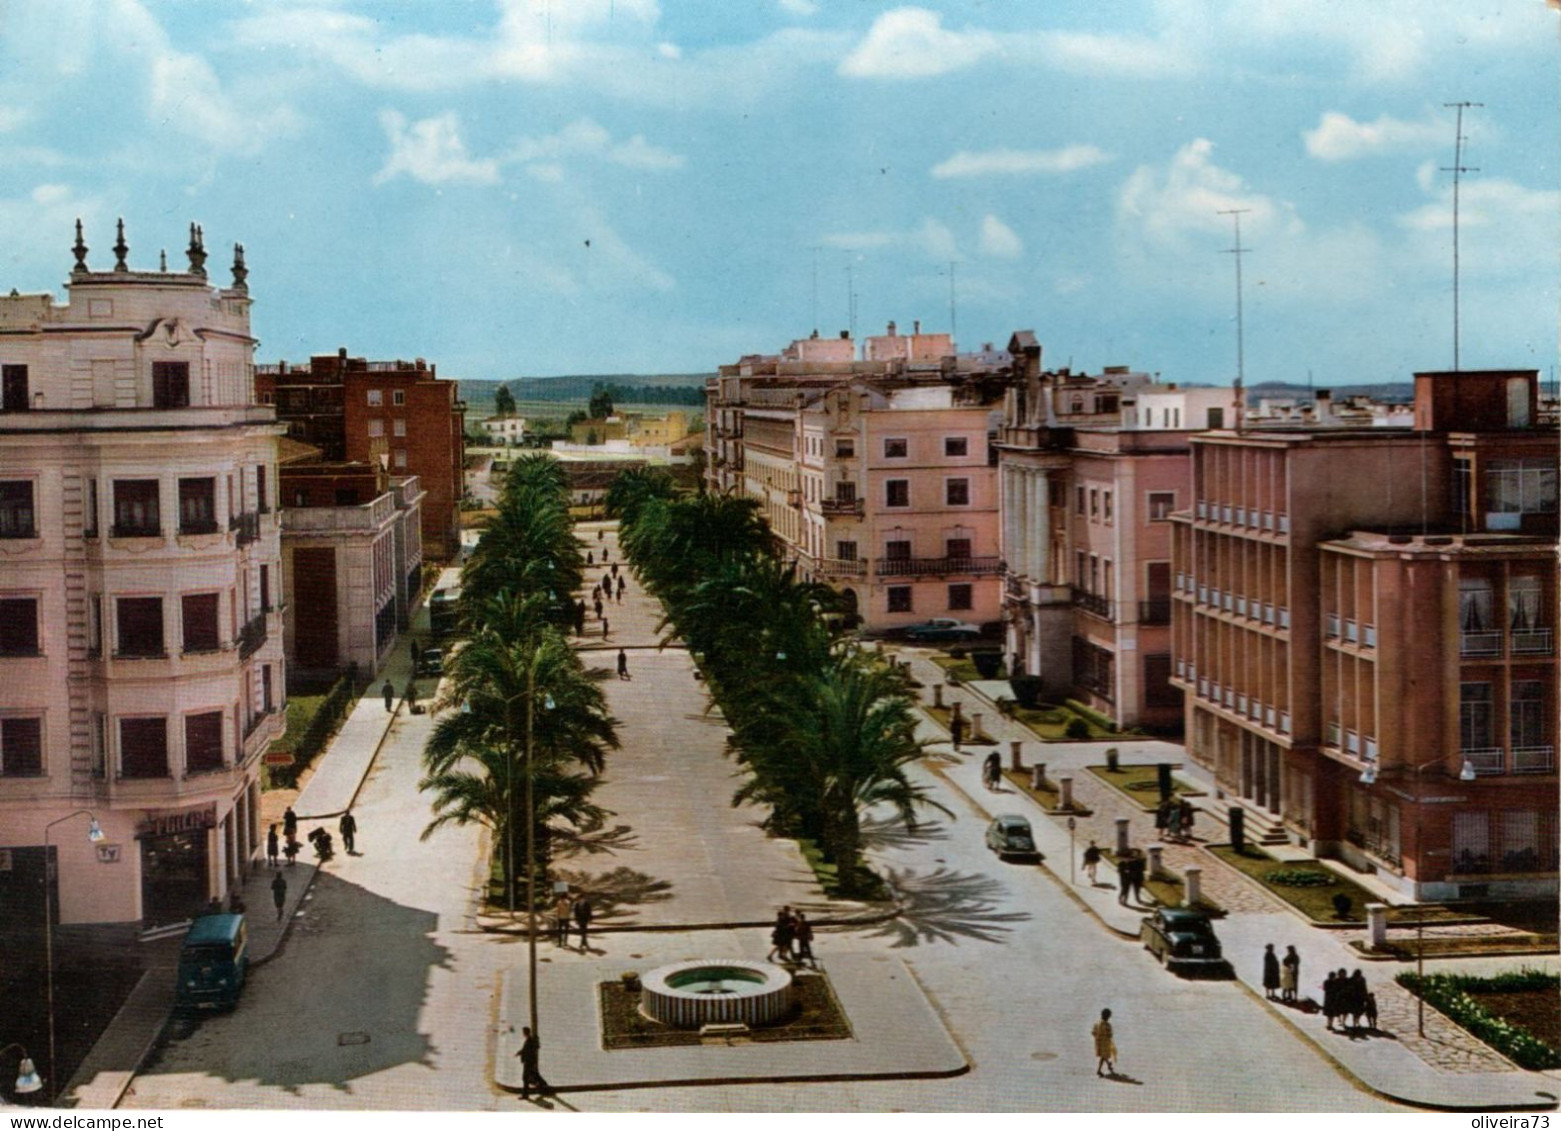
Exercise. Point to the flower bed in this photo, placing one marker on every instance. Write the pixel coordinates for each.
(1486, 1008)
(1140, 784)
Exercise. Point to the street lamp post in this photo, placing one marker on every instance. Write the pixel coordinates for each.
(27, 1080)
(1466, 773)
(94, 834)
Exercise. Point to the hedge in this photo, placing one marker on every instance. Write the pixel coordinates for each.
(338, 701)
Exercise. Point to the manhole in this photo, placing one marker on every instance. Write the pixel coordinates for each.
(1043, 1056)
(354, 1038)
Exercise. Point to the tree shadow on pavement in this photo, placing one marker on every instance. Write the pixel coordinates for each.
(881, 834)
(614, 895)
(945, 906)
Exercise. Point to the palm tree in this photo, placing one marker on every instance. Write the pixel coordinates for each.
(633, 488)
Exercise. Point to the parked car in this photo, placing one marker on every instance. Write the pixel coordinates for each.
(1011, 837)
(441, 610)
(940, 630)
(1181, 937)
(430, 661)
(213, 963)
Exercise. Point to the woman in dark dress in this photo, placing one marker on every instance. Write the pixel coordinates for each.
(1270, 971)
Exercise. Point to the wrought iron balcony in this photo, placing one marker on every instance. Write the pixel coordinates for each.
(1486, 761)
(1534, 760)
(938, 567)
(246, 526)
(252, 636)
(841, 507)
(1092, 603)
(1532, 642)
(1479, 643)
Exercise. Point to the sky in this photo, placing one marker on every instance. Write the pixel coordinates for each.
(534, 187)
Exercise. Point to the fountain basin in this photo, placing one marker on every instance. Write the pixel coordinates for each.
(687, 995)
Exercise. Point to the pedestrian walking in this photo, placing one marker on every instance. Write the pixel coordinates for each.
(597, 605)
(1270, 971)
(583, 920)
(957, 730)
(802, 931)
(1091, 861)
(1105, 1045)
(279, 894)
(1289, 975)
(614, 568)
(604, 555)
(348, 827)
(390, 696)
(530, 1054)
(273, 846)
(600, 534)
(1124, 880)
(992, 770)
(781, 936)
(1137, 866)
(590, 558)
(604, 628)
(623, 664)
(412, 695)
(562, 910)
(290, 824)
(621, 585)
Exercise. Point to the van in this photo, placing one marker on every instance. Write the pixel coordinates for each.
(213, 963)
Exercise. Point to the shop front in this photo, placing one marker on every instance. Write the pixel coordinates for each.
(175, 864)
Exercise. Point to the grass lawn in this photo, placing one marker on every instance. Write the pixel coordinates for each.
(1169, 890)
(869, 886)
(943, 715)
(1051, 723)
(301, 710)
(1314, 900)
(1406, 946)
(964, 669)
(1140, 784)
(817, 1017)
(1046, 798)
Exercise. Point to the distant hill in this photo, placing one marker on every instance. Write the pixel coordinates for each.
(1392, 392)
(578, 387)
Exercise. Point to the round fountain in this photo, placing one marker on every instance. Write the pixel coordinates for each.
(688, 995)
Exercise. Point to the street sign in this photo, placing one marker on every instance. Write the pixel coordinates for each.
(277, 757)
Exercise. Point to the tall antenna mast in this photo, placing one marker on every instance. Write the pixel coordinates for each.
(850, 302)
(1457, 169)
(1241, 348)
(953, 321)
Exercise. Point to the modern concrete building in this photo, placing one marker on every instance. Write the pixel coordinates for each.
(1091, 468)
(140, 591)
(876, 476)
(1364, 630)
(396, 415)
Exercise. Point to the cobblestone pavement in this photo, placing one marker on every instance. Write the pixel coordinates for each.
(1445, 1046)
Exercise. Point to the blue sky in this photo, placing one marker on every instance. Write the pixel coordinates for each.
(533, 187)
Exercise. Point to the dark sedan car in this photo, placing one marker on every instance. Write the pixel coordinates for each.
(1011, 837)
(942, 630)
(430, 662)
(1182, 938)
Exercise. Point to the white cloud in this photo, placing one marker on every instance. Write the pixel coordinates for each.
(1017, 162)
(859, 241)
(936, 240)
(1492, 203)
(799, 7)
(669, 50)
(1165, 205)
(585, 138)
(913, 43)
(50, 194)
(1338, 137)
(999, 240)
(1119, 56)
(11, 117)
(431, 151)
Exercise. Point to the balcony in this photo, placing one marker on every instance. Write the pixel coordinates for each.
(1534, 760)
(1532, 642)
(1486, 761)
(121, 530)
(1092, 603)
(246, 526)
(938, 567)
(842, 567)
(1156, 610)
(252, 636)
(1479, 643)
(841, 508)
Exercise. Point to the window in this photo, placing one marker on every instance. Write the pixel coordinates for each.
(1215, 418)
(136, 512)
(956, 547)
(1527, 713)
(21, 748)
(1056, 492)
(1524, 593)
(203, 742)
(899, 598)
(1078, 501)
(896, 449)
(16, 509)
(845, 551)
(845, 492)
(1158, 691)
(956, 446)
(898, 550)
(170, 384)
(1475, 715)
(143, 748)
(398, 396)
(1520, 486)
(197, 506)
(376, 398)
(956, 492)
(376, 427)
(1161, 504)
(18, 626)
(1094, 668)
(1094, 503)
(262, 496)
(199, 614)
(13, 389)
(959, 597)
(845, 449)
(398, 427)
(89, 521)
(265, 588)
(897, 493)
(400, 460)
(1105, 505)
(1080, 568)
(140, 626)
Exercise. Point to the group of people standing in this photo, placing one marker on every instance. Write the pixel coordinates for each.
(791, 939)
(1281, 976)
(1173, 818)
(577, 910)
(1344, 994)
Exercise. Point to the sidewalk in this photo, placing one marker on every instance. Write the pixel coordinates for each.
(1467, 1075)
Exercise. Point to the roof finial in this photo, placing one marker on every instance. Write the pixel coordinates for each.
(80, 250)
(162, 260)
(240, 272)
(121, 249)
(197, 252)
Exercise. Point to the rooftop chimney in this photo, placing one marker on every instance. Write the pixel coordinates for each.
(891, 329)
(916, 326)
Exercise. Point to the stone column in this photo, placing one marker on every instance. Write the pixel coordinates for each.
(958, 710)
(1377, 925)
(1039, 537)
(1038, 777)
(1065, 792)
(1156, 865)
(1013, 756)
(1193, 880)
(1121, 835)
(975, 724)
(937, 695)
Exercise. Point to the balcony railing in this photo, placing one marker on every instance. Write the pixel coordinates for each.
(936, 567)
(252, 636)
(198, 526)
(1533, 759)
(1092, 603)
(1156, 610)
(246, 526)
(1532, 642)
(842, 567)
(1486, 761)
(121, 530)
(841, 507)
(1479, 643)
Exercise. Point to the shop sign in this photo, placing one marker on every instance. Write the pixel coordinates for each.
(171, 824)
(108, 853)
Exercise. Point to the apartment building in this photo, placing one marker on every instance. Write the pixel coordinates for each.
(1364, 630)
(1091, 468)
(396, 415)
(876, 476)
(140, 589)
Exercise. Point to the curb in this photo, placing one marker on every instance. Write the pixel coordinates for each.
(632, 929)
(357, 789)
